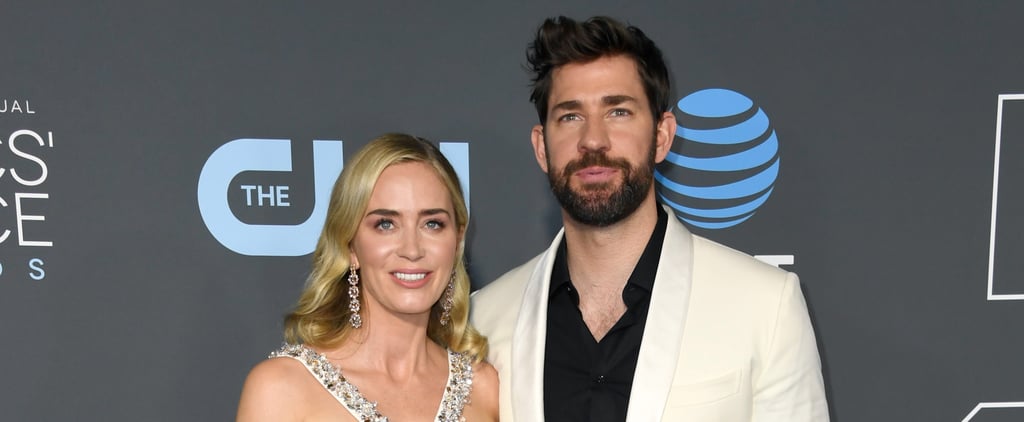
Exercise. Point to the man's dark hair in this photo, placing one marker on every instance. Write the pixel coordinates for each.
(561, 41)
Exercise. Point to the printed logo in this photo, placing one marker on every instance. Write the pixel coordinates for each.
(270, 155)
(995, 411)
(26, 238)
(221, 180)
(16, 106)
(1005, 249)
(723, 165)
(1005, 243)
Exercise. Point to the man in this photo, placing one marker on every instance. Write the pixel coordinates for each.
(628, 316)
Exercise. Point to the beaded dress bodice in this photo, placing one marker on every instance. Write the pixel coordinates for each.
(456, 392)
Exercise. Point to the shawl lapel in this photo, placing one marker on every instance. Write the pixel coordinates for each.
(663, 332)
(528, 341)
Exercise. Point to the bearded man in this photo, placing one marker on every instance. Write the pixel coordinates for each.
(628, 316)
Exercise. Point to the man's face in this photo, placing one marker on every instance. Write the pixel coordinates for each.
(600, 142)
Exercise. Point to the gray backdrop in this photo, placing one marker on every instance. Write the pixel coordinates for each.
(118, 303)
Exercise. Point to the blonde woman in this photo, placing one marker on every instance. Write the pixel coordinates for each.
(380, 330)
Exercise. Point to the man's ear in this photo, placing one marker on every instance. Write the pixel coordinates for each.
(540, 151)
(665, 133)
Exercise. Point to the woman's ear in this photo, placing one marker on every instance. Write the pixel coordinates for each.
(353, 260)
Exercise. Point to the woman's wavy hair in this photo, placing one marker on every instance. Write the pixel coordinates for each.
(321, 317)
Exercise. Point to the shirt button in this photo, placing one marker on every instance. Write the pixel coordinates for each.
(599, 379)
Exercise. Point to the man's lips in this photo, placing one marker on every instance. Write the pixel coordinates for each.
(596, 174)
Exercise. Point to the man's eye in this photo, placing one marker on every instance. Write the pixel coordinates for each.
(621, 112)
(569, 117)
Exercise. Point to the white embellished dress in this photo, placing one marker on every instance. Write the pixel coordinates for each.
(456, 392)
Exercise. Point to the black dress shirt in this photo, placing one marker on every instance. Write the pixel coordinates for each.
(586, 380)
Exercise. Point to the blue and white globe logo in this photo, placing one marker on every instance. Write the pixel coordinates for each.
(723, 165)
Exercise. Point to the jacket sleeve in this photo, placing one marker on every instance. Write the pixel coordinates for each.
(789, 386)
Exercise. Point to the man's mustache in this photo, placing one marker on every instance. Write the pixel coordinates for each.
(595, 158)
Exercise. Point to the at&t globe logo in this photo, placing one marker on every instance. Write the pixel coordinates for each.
(723, 165)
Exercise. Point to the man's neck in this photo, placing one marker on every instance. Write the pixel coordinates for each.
(602, 258)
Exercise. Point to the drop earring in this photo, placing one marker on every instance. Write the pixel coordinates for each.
(448, 301)
(353, 298)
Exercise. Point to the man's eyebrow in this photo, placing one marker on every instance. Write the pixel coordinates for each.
(617, 99)
(567, 105)
(608, 100)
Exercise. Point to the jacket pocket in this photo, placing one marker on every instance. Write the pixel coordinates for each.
(705, 391)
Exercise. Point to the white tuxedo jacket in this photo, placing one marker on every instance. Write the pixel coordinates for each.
(728, 338)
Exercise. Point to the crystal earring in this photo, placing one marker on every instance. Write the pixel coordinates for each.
(353, 298)
(449, 300)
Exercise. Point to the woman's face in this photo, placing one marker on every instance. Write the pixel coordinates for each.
(405, 244)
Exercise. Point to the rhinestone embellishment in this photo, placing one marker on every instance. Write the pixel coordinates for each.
(456, 393)
(455, 398)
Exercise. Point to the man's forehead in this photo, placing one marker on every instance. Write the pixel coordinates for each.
(608, 79)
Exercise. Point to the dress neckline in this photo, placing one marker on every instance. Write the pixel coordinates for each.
(454, 399)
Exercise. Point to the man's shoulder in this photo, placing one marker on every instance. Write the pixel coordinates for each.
(709, 255)
(510, 283)
(495, 307)
(739, 286)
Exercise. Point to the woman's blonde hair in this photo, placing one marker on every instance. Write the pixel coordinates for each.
(321, 317)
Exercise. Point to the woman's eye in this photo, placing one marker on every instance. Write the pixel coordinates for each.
(384, 225)
(434, 225)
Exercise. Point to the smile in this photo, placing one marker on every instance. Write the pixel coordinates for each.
(410, 276)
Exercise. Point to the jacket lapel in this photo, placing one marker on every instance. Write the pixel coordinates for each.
(663, 332)
(528, 341)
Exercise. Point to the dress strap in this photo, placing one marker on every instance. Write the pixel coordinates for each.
(331, 378)
(456, 393)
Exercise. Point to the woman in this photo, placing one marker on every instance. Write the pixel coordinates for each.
(381, 326)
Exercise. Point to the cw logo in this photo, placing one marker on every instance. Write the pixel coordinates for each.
(274, 155)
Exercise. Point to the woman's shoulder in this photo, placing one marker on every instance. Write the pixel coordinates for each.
(274, 390)
(278, 373)
(484, 372)
(484, 396)
(275, 370)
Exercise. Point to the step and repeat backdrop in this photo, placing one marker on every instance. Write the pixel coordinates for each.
(164, 168)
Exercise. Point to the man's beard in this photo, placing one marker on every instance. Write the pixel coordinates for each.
(602, 205)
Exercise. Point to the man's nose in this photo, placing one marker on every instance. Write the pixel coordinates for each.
(594, 136)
